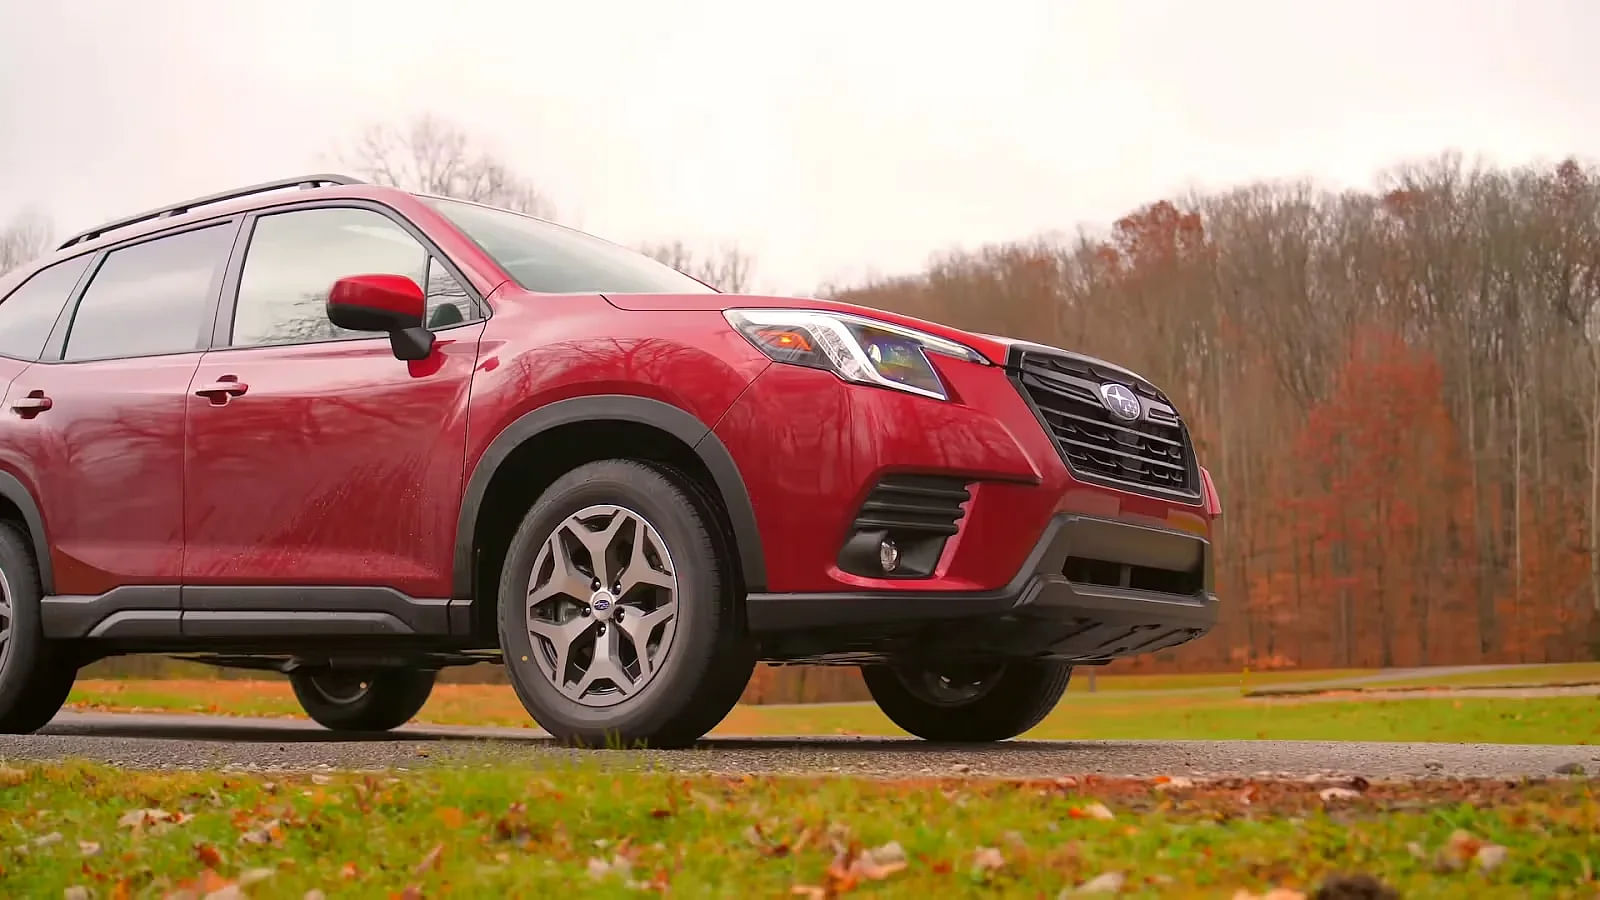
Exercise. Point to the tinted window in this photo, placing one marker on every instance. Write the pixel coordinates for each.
(543, 256)
(295, 258)
(27, 314)
(150, 298)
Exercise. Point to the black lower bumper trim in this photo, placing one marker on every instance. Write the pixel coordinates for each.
(1040, 613)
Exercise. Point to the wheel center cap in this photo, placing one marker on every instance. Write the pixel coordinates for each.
(602, 603)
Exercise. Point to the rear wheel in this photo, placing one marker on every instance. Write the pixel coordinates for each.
(362, 701)
(616, 610)
(968, 703)
(35, 674)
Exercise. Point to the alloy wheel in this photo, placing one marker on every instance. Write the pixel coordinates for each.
(7, 620)
(602, 605)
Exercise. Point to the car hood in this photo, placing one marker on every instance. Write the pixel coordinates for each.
(991, 346)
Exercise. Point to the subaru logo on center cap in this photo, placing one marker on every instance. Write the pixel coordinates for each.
(1120, 401)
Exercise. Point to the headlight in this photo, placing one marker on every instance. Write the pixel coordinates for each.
(856, 349)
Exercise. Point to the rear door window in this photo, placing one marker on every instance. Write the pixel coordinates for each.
(151, 298)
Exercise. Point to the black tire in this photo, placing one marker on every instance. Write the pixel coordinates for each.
(35, 674)
(1012, 700)
(389, 699)
(710, 661)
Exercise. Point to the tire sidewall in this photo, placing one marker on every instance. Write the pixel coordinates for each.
(27, 631)
(683, 528)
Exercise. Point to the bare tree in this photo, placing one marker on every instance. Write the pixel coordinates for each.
(433, 156)
(727, 269)
(26, 237)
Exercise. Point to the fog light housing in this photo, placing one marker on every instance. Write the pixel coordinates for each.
(888, 556)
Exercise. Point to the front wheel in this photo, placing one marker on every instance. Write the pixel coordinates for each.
(969, 703)
(362, 701)
(617, 616)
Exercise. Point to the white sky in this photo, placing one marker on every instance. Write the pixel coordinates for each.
(830, 139)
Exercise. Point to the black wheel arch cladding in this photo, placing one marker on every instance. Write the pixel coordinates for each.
(625, 408)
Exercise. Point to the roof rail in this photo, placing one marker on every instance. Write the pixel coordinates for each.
(178, 209)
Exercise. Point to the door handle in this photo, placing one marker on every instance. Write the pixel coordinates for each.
(225, 387)
(33, 404)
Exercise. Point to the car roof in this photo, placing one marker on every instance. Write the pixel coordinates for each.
(221, 205)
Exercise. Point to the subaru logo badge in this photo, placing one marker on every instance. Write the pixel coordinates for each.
(601, 604)
(1120, 401)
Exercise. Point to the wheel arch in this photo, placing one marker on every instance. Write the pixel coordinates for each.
(616, 408)
(15, 494)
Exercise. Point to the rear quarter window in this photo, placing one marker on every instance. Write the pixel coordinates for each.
(28, 313)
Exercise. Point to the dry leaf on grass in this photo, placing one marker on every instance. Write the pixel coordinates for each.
(1107, 883)
(430, 861)
(987, 859)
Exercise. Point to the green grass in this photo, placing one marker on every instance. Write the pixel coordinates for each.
(1214, 714)
(532, 832)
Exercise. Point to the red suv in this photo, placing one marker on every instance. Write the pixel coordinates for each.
(356, 434)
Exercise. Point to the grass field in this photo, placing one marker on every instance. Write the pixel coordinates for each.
(1216, 713)
(581, 830)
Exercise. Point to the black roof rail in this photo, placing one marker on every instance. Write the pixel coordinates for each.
(178, 209)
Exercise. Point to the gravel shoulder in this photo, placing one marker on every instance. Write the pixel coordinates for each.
(196, 742)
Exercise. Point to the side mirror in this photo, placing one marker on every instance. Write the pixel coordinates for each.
(388, 303)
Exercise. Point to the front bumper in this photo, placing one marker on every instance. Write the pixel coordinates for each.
(1091, 590)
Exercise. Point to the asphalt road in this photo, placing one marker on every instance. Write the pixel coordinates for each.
(173, 741)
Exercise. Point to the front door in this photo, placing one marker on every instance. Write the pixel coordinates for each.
(324, 475)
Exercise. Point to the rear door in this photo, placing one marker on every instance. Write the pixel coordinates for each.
(324, 475)
(96, 426)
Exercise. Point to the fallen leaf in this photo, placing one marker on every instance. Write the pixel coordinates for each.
(321, 779)
(1107, 883)
(1490, 856)
(1461, 848)
(1173, 783)
(452, 818)
(138, 818)
(619, 865)
(809, 890)
(88, 848)
(1098, 811)
(254, 876)
(1329, 795)
(45, 840)
(76, 892)
(412, 892)
(208, 855)
(1274, 894)
(986, 859)
(348, 871)
(226, 892)
(429, 861)
(314, 894)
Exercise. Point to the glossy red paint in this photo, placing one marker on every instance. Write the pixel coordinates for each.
(541, 348)
(376, 302)
(850, 435)
(341, 465)
(105, 465)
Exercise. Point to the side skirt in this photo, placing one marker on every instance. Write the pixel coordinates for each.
(153, 612)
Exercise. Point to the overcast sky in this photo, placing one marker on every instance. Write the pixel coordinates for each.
(830, 139)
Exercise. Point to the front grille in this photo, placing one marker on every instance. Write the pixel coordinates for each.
(914, 503)
(1151, 454)
(1104, 573)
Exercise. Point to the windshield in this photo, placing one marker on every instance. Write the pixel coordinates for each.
(550, 258)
